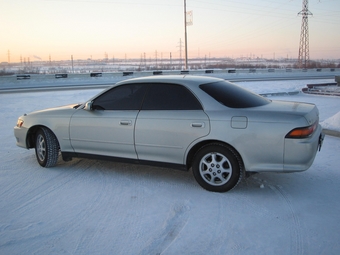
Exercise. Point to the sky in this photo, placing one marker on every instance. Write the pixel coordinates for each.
(95, 29)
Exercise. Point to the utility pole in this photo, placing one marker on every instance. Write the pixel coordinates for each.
(185, 35)
(303, 59)
(144, 60)
(170, 61)
(156, 54)
(72, 63)
(141, 62)
(180, 52)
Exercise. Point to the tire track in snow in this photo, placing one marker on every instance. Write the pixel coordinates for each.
(295, 226)
(72, 224)
(17, 181)
(173, 226)
(87, 239)
(296, 238)
(44, 189)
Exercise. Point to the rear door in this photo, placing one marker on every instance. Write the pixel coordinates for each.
(171, 119)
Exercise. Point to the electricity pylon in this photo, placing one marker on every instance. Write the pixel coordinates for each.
(303, 59)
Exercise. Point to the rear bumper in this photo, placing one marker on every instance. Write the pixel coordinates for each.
(299, 154)
(321, 138)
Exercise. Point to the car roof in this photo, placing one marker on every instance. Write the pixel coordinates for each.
(181, 79)
(192, 82)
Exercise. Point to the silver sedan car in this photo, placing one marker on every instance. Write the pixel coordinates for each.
(218, 129)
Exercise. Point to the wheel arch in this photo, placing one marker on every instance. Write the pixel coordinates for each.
(31, 134)
(192, 152)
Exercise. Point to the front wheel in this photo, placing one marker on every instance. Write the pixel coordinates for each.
(217, 168)
(46, 148)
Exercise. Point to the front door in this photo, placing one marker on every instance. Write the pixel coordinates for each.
(108, 128)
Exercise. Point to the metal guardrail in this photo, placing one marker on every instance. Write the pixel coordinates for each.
(331, 132)
(24, 81)
(231, 71)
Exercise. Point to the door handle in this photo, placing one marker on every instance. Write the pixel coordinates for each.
(197, 125)
(125, 122)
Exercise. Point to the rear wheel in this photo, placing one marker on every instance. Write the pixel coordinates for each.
(46, 148)
(217, 168)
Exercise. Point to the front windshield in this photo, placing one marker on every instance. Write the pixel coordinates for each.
(233, 96)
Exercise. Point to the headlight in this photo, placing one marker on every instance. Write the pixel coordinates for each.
(20, 122)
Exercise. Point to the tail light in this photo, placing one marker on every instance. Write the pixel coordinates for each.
(302, 132)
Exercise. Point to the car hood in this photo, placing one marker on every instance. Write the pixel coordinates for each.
(56, 110)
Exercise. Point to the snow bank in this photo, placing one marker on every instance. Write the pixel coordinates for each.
(332, 123)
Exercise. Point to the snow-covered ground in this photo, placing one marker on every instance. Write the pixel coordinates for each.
(99, 207)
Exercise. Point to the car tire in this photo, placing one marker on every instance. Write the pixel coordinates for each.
(217, 168)
(46, 147)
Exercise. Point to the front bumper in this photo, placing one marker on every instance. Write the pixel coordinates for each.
(20, 134)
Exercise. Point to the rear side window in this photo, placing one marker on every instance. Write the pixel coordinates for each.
(233, 96)
(170, 97)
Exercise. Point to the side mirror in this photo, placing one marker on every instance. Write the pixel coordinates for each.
(88, 106)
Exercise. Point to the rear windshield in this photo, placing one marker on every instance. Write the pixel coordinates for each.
(232, 95)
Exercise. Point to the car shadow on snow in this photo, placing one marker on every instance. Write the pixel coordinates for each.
(153, 175)
(135, 174)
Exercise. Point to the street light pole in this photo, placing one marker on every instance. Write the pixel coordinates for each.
(185, 35)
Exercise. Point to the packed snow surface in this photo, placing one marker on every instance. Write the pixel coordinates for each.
(99, 207)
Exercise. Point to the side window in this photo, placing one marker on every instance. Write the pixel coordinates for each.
(170, 97)
(124, 97)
